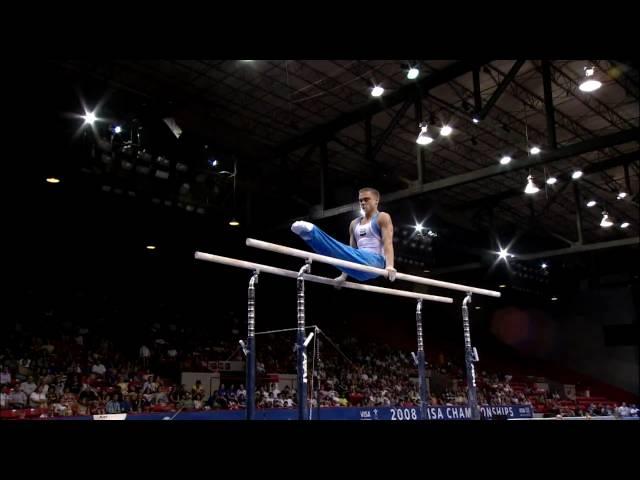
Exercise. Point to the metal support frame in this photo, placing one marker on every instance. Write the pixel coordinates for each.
(324, 174)
(575, 149)
(424, 391)
(477, 98)
(576, 193)
(301, 349)
(392, 125)
(326, 131)
(548, 105)
(251, 346)
(501, 88)
(368, 155)
(470, 356)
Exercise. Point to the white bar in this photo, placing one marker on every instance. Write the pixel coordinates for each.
(365, 268)
(232, 262)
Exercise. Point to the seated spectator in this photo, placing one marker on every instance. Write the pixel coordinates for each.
(38, 399)
(113, 405)
(5, 376)
(4, 398)
(17, 399)
(187, 402)
(29, 386)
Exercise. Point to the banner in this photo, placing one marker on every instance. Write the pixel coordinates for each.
(383, 413)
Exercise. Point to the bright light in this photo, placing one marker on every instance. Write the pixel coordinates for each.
(477, 308)
(605, 223)
(590, 85)
(531, 187)
(446, 131)
(413, 73)
(534, 150)
(476, 120)
(89, 118)
(53, 180)
(234, 223)
(377, 91)
(423, 136)
(576, 175)
(503, 253)
(591, 203)
(502, 286)
(118, 129)
(505, 160)
(624, 225)
(418, 227)
(551, 180)
(553, 299)
(621, 195)
(151, 247)
(544, 266)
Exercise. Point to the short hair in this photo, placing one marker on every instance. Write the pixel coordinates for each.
(372, 190)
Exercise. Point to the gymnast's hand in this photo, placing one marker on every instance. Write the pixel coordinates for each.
(392, 273)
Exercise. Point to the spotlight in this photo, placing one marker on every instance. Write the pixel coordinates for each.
(423, 136)
(445, 131)
(624, 225)
(544, 266)
(89, 118)
(505, 160)
(418, 227)
(502, 286)
(576, 174)
(504, 253)
(476, 120)
(234, 223)
(553, 299)
(531, 187)
(591, 203)
(151, 247)
(534, 150)
(589, 84)
(605, 222)
(377, 91)
(413, 73)
(551, 180)
(621, 195)
(117, 129)
(53, 180)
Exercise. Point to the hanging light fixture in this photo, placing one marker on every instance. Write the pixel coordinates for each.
(423, 136)
(605, 223)
(505, 160)
(551, 180)
(234, 222)
(589, 84)
(531, 187)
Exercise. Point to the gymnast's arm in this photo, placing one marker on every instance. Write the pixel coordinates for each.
(384, 220)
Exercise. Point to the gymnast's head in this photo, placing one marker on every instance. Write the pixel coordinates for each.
(368, 198)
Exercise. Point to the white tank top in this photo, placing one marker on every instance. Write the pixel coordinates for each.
(368, 236)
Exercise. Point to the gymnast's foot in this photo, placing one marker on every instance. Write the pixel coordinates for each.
(303, 229)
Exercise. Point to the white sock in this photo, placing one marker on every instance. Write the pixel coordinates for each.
(301, 227)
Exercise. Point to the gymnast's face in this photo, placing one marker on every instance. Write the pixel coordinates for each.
(368, 201)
